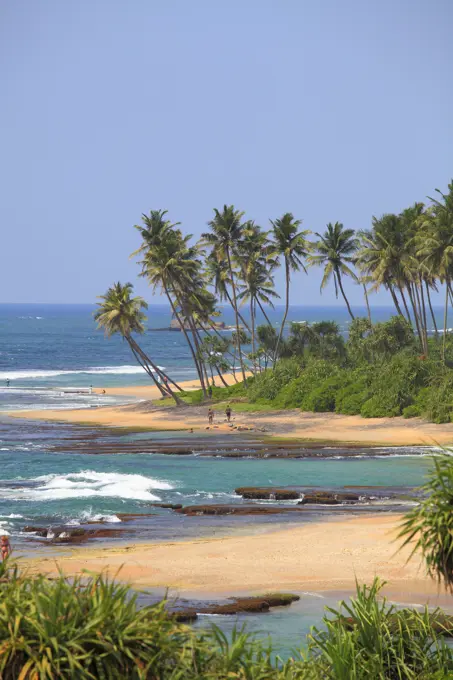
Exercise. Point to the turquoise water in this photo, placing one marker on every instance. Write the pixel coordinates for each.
(46, 480)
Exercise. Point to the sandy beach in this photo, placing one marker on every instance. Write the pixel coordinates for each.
(292, 424)
(316, 556)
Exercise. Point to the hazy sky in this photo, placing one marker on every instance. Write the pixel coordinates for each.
(333, 110)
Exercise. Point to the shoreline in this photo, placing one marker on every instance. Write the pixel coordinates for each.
(285, 425)
(317, 556)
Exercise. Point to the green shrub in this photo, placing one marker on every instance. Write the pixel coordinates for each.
(323, 397)
(267, 385)
(350, 399)
(376, 407)
(411, 411)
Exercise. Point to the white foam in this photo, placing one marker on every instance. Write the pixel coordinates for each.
(88, 484)
(24, 374)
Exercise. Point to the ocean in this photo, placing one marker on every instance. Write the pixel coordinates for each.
(47, 478)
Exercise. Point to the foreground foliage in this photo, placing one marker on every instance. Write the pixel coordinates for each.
(92, 629)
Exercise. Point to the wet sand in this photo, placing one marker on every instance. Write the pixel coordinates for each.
(289, 424)
(316, 557)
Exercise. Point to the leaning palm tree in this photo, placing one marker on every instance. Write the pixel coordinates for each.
(335, 251)
(291, 245)
(224, 237)
(121, 313)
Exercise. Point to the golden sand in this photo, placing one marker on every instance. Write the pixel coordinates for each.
(322, 556)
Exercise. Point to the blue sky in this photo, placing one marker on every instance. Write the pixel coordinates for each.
(331, 110)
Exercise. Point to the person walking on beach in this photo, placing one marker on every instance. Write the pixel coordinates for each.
(210, 416)
(228, 413)
(5, 547)
(7, 382)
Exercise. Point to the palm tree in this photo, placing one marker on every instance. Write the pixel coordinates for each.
(335, 251)
(121, 313)
(435, 246)
(171, 264)
(291, 245)
(224, 237)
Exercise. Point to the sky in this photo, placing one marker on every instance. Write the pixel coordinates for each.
(330, 110)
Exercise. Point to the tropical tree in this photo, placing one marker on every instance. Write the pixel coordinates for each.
(224, 238)
(291, 245)
(171, 264)
(434, 243)
(121, 313)
(255, 264)
(335, 251)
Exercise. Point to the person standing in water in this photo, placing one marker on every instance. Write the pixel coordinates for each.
(7, 382)
(228, 413)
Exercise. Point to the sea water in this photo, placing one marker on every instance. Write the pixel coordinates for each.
(44, 480)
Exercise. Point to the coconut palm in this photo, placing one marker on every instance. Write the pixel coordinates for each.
(171, 264)
(256, 264)
(291, 245)
(335, 251)
(121, 313)
(435, 246)
(224, 238)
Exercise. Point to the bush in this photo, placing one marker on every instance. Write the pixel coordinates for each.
(323, 398)
(267, 385)
(411, 411)
(295, 392)
(350, 399)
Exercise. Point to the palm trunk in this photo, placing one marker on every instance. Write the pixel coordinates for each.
(395, 301)
(425, 322)
(337, 271)
(428, 295)
(221, 377)
(414, 309)
(444, 339)
(238, 336)
(282, 327)
(252, 315)
(164, 390)
(403, 297)
(264, 313)
(142, 363)
(204, 372)
(367, 303)
(239, 313)
(197, 367)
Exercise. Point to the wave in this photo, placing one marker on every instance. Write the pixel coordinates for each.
(52, 373)
(89, 484)
(89, 516)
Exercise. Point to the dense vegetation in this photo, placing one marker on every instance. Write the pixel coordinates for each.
(92, 629)
(378, 371)
(401, 367)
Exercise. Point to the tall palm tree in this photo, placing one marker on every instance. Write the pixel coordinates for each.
(170, 263)
(291, 245)
(224, 238)
(335, 251)
(121, 313)
(435, 246)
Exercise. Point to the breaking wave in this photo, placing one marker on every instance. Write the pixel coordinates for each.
(27, 374)
(89, 484)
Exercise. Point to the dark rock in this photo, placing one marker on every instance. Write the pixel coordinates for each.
(39, 531)
(329, 498)
(169, 506)
(269, 493)
(193, 510)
